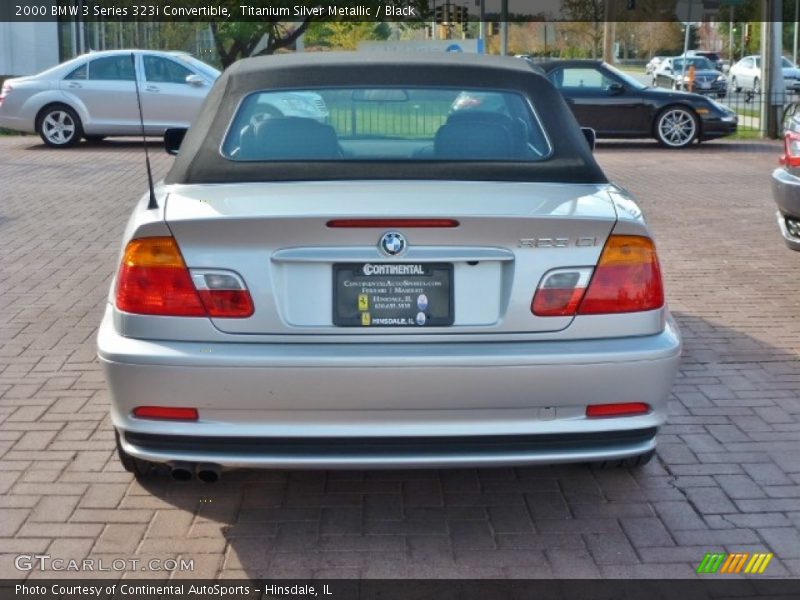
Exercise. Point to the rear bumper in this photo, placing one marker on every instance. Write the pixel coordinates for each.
(392, 452)
(786, 192)
(368, 405)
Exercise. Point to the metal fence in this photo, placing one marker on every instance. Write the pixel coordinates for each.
(747, 103)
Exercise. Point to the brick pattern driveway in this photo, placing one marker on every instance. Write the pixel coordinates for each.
(727, 476)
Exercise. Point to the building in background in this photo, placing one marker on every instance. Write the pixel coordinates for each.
(27, 48)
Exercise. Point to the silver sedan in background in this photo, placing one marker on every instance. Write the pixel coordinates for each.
(94, 96)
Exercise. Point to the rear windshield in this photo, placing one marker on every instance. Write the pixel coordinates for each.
(385, 124)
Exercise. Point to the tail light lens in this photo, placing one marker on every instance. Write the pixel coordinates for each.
(154, 280)
(560, 292)
(223, 294)
(6, 89)
(627, 278)
(791, 149)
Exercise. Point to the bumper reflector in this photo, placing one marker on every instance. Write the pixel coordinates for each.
(165, 412)
(622, 409)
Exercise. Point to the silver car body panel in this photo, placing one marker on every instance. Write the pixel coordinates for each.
(786, 193)
(287, 373)
(106, 107)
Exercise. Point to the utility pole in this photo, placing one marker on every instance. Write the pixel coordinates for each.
(774, 90)
(609, 29)
(796, 18)
(504, 27)
(730, 36)
(481, 24)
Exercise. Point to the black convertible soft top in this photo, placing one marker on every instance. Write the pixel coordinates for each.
(200, 160)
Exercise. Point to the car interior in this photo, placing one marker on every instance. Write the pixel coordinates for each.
(262, 132)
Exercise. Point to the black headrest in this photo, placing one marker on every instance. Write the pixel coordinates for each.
(289, 138)
(477, 134)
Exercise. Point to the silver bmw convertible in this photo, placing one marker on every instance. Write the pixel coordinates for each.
(399, 284)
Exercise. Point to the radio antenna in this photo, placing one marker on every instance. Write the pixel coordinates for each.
(152, 204)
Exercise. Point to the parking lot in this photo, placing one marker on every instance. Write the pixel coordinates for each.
(727, 476)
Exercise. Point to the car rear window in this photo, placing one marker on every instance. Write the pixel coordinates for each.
(385, 124)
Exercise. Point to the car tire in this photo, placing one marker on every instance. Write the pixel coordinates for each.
(140, 468)
(94, 139)
(676, 127)
(736, 88)
(59, 126)
(632, 462)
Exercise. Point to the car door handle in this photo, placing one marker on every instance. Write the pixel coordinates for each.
(152, 88)
(74, 85)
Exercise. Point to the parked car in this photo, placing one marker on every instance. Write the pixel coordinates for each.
(652, 64)
(401, 286)
(746, 75)
(616, 105)
(786, 185)
(93, 96)
(714, 58)
(674, 73)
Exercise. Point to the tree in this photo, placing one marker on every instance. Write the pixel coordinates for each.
(239, 40)
(587, 18)
(344, 35)
(273, 32)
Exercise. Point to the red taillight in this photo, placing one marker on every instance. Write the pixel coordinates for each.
(154, 280)
(392, 223)
(627, 278)
(560, 292)
(621, 409)
(165, 412)
(791, 149)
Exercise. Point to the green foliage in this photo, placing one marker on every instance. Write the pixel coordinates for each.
(344, 35)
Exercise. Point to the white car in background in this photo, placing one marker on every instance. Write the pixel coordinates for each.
(746, 75)
(652, 65)
(94, 96)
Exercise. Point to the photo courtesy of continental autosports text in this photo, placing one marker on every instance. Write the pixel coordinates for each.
(399, 299)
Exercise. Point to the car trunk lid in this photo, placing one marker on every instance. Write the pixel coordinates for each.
(282, 239)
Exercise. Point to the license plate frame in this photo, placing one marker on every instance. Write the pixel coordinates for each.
(393, 295)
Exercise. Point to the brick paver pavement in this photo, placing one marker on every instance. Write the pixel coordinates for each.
(727, 476)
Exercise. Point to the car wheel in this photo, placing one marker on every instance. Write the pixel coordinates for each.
(94, 139)
(756, 86)
(59, 126)
(632, 462)
(140, 468)
(676, 127)
(736, 88)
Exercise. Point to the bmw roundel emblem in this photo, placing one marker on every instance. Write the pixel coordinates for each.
(392, 243)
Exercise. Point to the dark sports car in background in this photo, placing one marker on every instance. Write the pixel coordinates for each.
(615, 105)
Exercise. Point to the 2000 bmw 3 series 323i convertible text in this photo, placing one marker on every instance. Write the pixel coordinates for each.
(401, 283)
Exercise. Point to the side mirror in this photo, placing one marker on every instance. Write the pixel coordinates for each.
(195, 80)
(173, 138)
(590, 135)
(616, 88)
